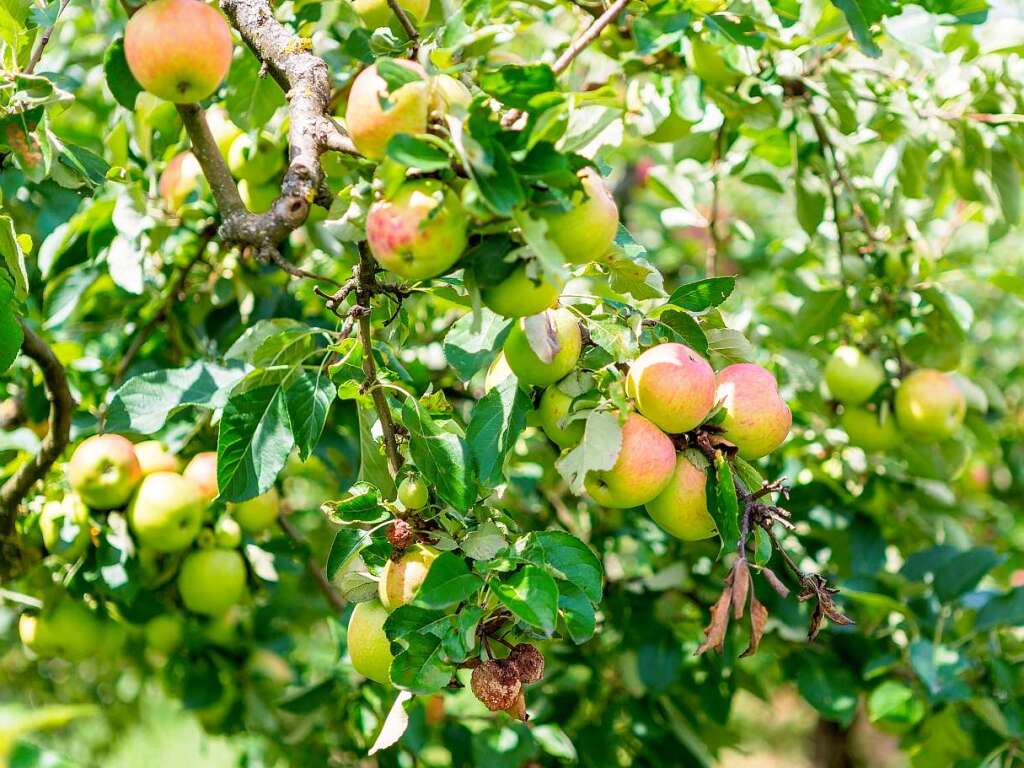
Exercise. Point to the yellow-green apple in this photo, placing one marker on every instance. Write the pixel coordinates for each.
(181, 177)
(930, 405)
(673, 386)
(32, 632)
(166, 513)
(419, 231)
(756, 420)
(868, 430)
(553, 410)
(223, 130)
(67, 631)
(522, 295)
(370, 125)
(104, 471)
(179, 50)
(164, 633)
(447, 92)
(413, 492)
(643, 468)
(212, 580)
(682, 508)
(154, 457)
(255, 160)
(226, 630)
(977, 476)
(258, 198)
(368, 646)
(497, 372)
(401, 578)
(257, 514)
(227, 532)
(377, 13)
(851, 376)
(65, 527)
(557, 332)
(587, 230)
(202, 471)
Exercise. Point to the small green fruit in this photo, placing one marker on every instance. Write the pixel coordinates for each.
(519, 295)
(368, 646)
(413, 492)
(65, 527)
(166, 513)
(561, 330)
(553, 409)
(211, 581)
(402, 578)
(851, 376)
(257, 514)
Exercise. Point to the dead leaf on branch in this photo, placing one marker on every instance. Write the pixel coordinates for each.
(758, 620)
(740, 587)
(813, 586)
(714, 633)
(775, 582)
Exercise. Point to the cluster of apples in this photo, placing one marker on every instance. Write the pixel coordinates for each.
(927, 405)
(170, 516)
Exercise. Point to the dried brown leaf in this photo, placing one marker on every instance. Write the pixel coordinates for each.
(714, 633)
(740, 587)
(758, 619)
(775, 582)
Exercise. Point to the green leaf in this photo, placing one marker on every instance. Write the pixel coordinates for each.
(726, 508)
(629, 270)
(310, 698)
(254, 442)
(348, 542)
(309, 399)
(532, 596)
(449, 582)
(565, 557)
(361, 504)
(417, 153)
(497, 421)
(13, 257)
(11, 335)
(1002, 611)
(251, 100)
(395, 75)
(373, 464)
(597, 451)
(832, 691)
(421, 667)
(703, 294)
(820, 313)
(963, 572)
(859, 26)
(680, 327)
(443, 458)
(939, 668)
(469, 346)
(895, 704)
(577, 612)
(810, 202)
(515, 85)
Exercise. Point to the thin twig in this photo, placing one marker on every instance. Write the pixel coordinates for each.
(717, 243)
(403, 19)
(37, 52)
(337, 601)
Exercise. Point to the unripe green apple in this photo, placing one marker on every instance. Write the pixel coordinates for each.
(401, 578)
(930, 405)
(553, 408)
(228, 629)
(212, 580)
(519, 295)
(153, 457)
(756, 419)
(65, 527)
(419, 232)
(497, 372)
(181, 177)
(179, 50)
(561, 329)
(67, 631)
(227, 533)
(166, 513)
(254, 160)
(585, 232)
(32, 632)
(682, 508)
(673, 386)
(447, 92)
(258, 198)
(377, 13)
(202, 471)
(370, 125)
(413, 492)
(223, 130)
(851, 376)
(104, 471)
(257, 514)
(870, 431)
(368, 646)
(165, 633)
(643, 468)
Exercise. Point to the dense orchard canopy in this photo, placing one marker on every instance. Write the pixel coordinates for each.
(506, 384)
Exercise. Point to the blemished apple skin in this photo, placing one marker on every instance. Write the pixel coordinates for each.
(419, 232)
(104, 471)
(530, 369)
(756, 420)
(673, 386)
(553, 408)
(368, 646)
(681, 509)
(868, 430)
(518, 295)
(851, 376)
(179, 50)
(643, 468)
(369, 125)
(211, 581)
(930, 405)
(166, 512)
(585, 232)
(202, 471)
(402, 578)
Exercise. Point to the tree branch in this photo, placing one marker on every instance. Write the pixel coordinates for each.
(337, 601)
(717, 242)
(403, 19)
(37, 52)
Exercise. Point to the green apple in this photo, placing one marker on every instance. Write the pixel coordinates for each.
(258, 198)
(32, 632)
(255, 160)
(202, 471)
(401, 578)
(368, 646)
(153, 457)
(259, 513)
(413, 492)
(870, 431)
(67, 631)
(104, 471)
(447, 92)
(227, 630)
(681, 509)
(377, 13)
(557, 329)
(370, 125)
(851, 376)
(520, 295)
(165, 633)
(418, 232)
(586, 231)
(212, 580)
(930, 405)
(227, 532)
(65, 527)
(166, 513)
(673, 386)
(756, 420)
(643, 468)
(553, 409)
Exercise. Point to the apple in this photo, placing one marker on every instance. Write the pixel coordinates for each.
(153, 457)
(202, 471)
(413, 492)
(520, 295)
(165, 633)
(179, 50)
(447, 92)
(377, 13)
(257, 514)
(369, 125)
(212, 580)
(65, 527)
(419, 231)
(553, 408)
(228, 629)
(181, 177)
(254, 160)
(930, 405)
(227, 533)
(673, 386)
(587, 230)
(756, 420)
(977, 477)
(368, 646)
(561, 329)
(681, 509)
(868, 430)
(258, 198)
(104, 471)
(497, 372)
(224, 131)
(32, 632)
(67, 631)
(851, 376)
(401, 578)
(643, 468)
(166, 513)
